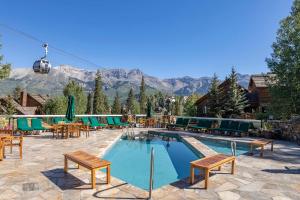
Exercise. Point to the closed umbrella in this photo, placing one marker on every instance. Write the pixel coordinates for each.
(70, 114)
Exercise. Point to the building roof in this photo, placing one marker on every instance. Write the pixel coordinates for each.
(261, 80)
(39, 98)
(222, 85)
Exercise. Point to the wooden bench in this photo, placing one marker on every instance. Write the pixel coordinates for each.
(90, 162)
(261, 143)
(209, 163)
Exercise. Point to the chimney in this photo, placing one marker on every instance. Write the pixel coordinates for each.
(23, 98)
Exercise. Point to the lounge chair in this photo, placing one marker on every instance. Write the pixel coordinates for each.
(180, 123)
(223, 126)
(242, 129)
(118, 122)
(57, 120)
(201, 125)
(94, 123)
(22, 125)
(111, 123)
(36, 124)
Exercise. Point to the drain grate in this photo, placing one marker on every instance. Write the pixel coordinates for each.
(30, 186)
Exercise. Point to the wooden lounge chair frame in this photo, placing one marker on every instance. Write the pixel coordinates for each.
(90, 162)
(261, 143)
(209, 163)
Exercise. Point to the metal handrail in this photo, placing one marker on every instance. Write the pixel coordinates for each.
(151, 173)
(233, 148)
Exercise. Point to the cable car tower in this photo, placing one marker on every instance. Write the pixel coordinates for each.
(42, 66)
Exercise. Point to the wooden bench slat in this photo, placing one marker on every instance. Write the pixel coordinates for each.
(86, 160)
(212, 161)
(209, 163)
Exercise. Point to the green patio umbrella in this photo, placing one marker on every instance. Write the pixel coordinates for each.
(149, 109)
(70, 114)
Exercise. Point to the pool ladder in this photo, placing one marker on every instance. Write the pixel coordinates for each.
(233, 148)
(151, 173)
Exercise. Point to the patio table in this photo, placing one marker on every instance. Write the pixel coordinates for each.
(66, 129)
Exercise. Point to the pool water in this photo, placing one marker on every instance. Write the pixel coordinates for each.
(222, 146)
(131, 161)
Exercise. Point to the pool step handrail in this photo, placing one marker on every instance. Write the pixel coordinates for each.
(233, 148)
(151, 173)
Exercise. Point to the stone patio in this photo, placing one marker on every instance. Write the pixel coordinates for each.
(40, 174)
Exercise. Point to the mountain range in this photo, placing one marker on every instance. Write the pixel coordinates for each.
(117, 79)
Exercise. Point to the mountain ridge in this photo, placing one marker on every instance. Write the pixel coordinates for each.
(115, 79)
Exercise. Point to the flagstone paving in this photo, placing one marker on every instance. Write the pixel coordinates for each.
(40, 174)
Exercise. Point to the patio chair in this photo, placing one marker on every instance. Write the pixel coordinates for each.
(94, 123)
(36, 124)
(12, 141)
(22, 125)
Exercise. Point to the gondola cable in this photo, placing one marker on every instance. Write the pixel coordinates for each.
(58, 50)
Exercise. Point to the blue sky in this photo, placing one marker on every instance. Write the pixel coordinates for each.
(164, 38)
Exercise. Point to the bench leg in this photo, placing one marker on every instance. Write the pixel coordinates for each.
(262, 151)
(192, 174)
(232, 167)
(66, 165)
(272, 144)
(108, 174)
(93, 178)
(251, 149)
(219, 168)
(21, 150)
(206, 178)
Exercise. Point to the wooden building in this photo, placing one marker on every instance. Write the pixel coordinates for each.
(29, 104)
(260, 97)
(202, 103)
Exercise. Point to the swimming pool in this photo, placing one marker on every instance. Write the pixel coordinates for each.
(131, 161)
(223, 146)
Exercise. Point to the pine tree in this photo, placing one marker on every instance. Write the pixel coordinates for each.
(116, 109)
(214, 98)
(178, 106)
(130, 104)
(56, 106)
(143, 97)
(4, 68)
(285, 64)
(89, 108)
(98, 103)
(10, 108)
(74, 89)
(190, 109)
(106, 104)
(235, 100)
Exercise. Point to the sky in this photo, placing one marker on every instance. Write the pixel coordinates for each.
(163, 38)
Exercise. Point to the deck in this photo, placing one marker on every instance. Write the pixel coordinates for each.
(40, 174)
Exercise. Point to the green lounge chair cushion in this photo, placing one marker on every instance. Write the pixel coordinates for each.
(111, 122)
(95, 122)
(22, 125)
(118, 122)
(36, 124)
(85, 121)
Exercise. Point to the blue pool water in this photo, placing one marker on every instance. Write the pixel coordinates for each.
(131, 161)
(222, 146)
